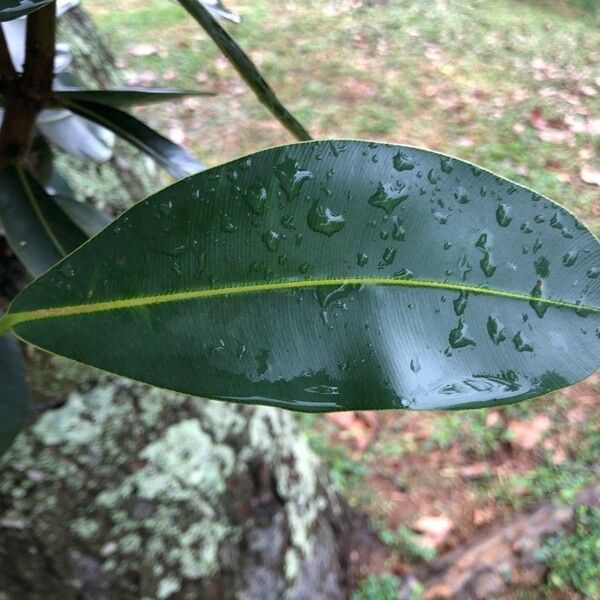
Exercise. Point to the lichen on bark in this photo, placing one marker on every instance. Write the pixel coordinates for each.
(134, 490)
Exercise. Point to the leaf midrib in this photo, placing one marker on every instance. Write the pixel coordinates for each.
(10, 320)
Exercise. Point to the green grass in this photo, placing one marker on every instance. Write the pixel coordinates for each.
(561, 482)
(347, 474)
(405, 544)
(434, 74)
(377, 587)
(469, 429)
(573, 558)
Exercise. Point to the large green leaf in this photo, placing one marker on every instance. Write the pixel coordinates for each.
(245, 67)
(332, 275)
(13, 391)
(172, 157)
(13, 9)
(125, 96)
(38, 230)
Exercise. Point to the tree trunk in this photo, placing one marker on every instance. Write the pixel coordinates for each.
(125, 491)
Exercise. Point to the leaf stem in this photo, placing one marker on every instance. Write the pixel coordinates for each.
(5, 324)
(245, 67)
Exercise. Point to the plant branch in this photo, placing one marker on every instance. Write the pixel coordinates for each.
(28, 94)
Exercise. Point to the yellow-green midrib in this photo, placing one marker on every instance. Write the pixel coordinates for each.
(12, 319)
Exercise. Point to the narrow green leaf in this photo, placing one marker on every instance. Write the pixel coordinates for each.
(332, 275)
(125, 96)
(13, 391)
(13, 9)
(245, 67)
(39, 232)
(89, 219)
(122, 97)
(172, 157)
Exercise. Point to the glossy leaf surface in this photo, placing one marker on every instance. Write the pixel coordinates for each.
(38, 230)
(13, 9)
(332, 275)
(245, 67)
(126, 96)
(13, 391)
(172, 157)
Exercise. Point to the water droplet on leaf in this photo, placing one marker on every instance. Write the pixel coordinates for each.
(403, 162)
(539, 307)
(496, 330)
(521, 343)
(362, 259)
(503, 213)
(271, 240)
(384, 200)
(458, 336)
(322, 219)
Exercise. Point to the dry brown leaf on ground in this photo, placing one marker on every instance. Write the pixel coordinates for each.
(528, 434)
(142, 78)
(492, 418)
(142, 49)
(359, 427)
(536, 119)
(433, 530)
(475, 471)
(554, 131)
(593, 127)
(590, 175)
(554, 136)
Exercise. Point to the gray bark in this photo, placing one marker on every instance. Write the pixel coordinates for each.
(129, 492)
(118, 490)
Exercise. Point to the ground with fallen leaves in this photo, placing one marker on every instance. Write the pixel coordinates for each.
(512, 85)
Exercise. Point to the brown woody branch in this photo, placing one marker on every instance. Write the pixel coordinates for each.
(27, 94)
